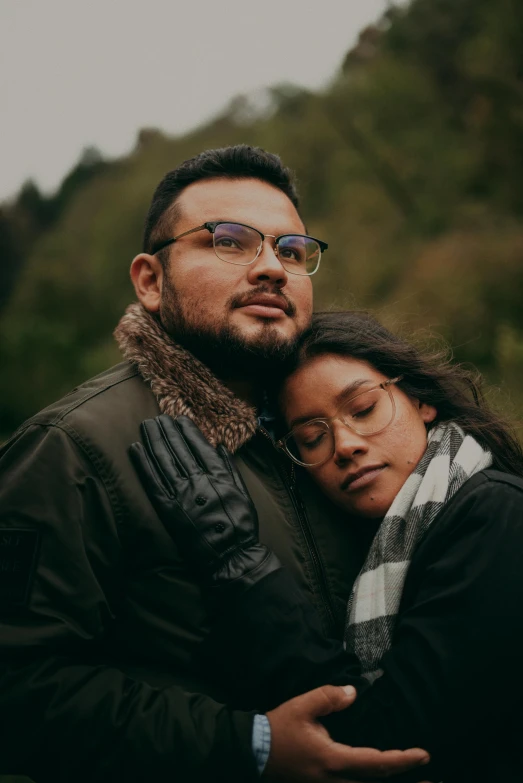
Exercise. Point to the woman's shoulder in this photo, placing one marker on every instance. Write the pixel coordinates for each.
(478, 535)
(490, 503)
(492, 481)
(486, 494)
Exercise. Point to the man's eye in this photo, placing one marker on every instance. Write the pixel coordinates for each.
(226, 242)
(290, 254)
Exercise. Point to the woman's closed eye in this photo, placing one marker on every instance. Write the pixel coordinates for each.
(311, 442)
(363, 413)
(316, 442)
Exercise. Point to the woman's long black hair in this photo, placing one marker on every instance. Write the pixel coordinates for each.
(429, 376)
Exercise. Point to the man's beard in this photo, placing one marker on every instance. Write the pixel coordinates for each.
(222, 346)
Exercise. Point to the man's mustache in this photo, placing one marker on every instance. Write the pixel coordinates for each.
(241, 300)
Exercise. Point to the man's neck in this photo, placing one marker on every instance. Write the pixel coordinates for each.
(245, 390)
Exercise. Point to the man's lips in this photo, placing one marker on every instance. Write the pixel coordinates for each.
(265, 305)
(360, 478)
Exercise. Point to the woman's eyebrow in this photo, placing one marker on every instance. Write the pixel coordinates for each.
(345, 394)
(350, 389)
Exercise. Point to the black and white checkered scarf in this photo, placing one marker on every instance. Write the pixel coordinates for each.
(450, 459)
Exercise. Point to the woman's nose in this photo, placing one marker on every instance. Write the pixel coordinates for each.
(347, 443)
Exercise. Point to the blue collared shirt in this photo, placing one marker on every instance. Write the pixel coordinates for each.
(261, 741)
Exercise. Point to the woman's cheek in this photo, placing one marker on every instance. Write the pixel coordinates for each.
(405, 451)
(326, 481)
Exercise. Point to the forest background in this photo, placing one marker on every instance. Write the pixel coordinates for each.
(410, 164)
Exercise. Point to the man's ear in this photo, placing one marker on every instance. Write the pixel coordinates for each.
(427, 412)
(147, 279)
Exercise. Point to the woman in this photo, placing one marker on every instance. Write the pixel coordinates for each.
(434, 635)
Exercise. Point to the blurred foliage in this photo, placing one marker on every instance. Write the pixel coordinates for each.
(410, 164)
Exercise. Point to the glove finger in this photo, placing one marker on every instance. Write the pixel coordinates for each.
(180, 449)
(161, 494)
(233, 470)
(150, 477)
(208, 457)
(161, 456)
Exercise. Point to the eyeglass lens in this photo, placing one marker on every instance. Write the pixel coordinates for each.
(239, 244)
(367, 413)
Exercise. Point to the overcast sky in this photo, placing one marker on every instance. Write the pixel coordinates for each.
(75, 74)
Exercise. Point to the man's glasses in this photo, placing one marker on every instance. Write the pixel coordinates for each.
(238, 244)
(367, 413)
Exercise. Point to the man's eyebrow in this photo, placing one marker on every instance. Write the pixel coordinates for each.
(215, 220)
(346, 393)
(228, 220)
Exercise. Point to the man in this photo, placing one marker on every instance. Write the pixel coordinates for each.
(102, 623)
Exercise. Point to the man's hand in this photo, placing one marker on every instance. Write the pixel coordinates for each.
(302, 751)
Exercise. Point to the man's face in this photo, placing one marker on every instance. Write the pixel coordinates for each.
(257, 310)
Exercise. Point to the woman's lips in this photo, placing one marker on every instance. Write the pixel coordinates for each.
(363, 480)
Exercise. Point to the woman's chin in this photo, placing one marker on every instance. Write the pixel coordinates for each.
(367, 507)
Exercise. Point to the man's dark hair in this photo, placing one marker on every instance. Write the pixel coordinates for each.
(238, 162)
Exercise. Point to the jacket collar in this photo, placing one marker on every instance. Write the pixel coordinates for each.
(181, 384)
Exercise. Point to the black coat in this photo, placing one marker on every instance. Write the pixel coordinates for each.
(100, 618)
(453, 679)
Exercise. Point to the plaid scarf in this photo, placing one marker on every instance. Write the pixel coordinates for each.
(450, 459)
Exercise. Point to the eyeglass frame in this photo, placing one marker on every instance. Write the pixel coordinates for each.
(386, 386)
(212, 225)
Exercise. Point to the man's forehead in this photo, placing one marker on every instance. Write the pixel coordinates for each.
(250, 201)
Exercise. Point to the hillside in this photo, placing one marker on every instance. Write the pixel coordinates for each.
(410, 164)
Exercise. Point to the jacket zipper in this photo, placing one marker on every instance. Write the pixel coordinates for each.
(301, 515)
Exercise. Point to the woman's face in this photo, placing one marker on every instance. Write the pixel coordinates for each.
(365, 473)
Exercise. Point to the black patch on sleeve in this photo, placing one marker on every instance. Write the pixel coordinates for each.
(18, 553)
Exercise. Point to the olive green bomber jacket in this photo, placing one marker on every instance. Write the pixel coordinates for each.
(101, 622)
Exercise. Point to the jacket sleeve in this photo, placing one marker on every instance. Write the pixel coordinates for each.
(459, 635)
(271, 645)
(66, 715)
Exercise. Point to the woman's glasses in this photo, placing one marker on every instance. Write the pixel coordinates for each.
(367, 413)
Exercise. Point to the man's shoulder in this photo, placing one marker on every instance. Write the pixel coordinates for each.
(82, 438)
(105, 385)
(115, 401)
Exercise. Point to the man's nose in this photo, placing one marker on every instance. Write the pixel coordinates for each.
(347, 443)
(267, 266)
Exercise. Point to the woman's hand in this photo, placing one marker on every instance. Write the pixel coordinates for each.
(202, 501)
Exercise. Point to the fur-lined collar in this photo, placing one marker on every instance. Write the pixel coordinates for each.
(181, 383)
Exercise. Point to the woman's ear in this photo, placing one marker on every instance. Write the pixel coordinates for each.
(427, 412)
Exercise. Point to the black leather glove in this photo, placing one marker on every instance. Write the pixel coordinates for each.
(201, 499)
